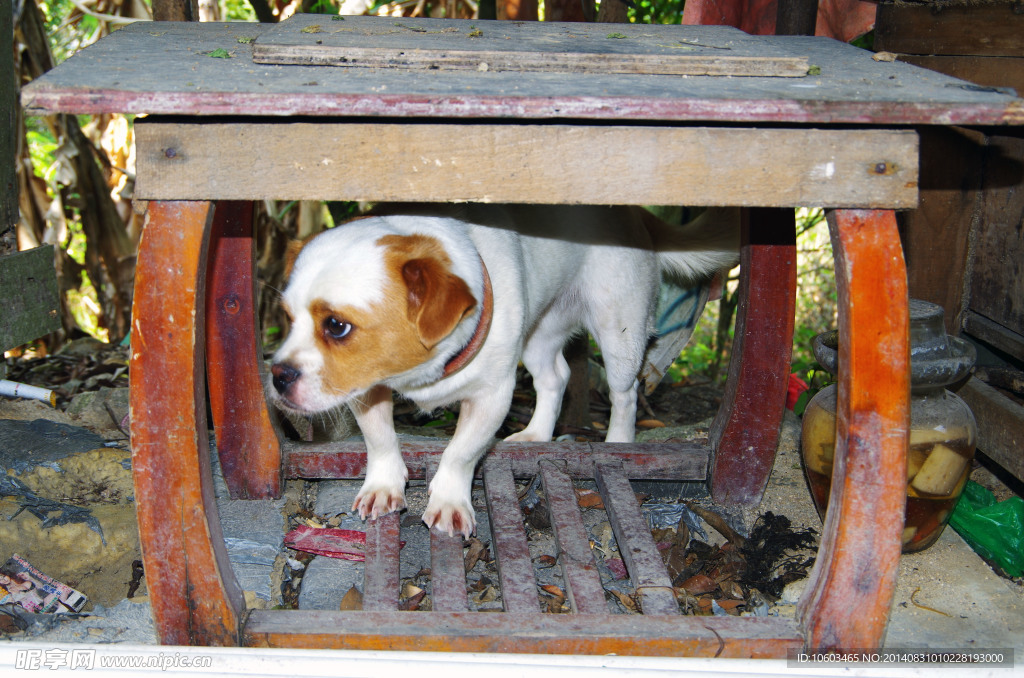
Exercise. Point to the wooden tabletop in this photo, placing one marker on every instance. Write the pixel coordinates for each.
(208, 69)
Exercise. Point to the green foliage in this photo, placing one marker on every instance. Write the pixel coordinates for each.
(656, 12)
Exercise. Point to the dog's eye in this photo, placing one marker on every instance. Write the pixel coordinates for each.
(336, 328)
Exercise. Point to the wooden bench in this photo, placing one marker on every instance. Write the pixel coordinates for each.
(232, 130)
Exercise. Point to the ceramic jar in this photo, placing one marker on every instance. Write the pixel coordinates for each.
(943, 432)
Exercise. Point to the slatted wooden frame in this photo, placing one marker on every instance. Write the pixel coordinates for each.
(196, 598)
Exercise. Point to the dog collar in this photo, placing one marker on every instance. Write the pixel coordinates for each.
(462, 358)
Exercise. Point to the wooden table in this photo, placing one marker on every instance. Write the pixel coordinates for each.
(444, 112)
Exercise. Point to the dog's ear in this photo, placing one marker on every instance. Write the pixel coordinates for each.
(291, 253)
(438, 299)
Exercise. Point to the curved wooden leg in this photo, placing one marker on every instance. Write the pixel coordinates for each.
(850, 593)
(745, 433)
(196, 599)
(247, 443)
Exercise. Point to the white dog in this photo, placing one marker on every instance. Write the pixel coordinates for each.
(442, 305)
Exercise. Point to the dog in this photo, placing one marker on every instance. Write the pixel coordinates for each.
(441, 304)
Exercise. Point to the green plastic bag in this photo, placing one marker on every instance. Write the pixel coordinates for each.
(995, 530)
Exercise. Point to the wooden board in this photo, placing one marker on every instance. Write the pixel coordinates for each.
(435, 44)
(168, 68)
(526, 163)
(8, 101)
(993, 29)
(29, 301)
(1000, 425)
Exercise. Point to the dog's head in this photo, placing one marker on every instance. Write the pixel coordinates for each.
(365, 304)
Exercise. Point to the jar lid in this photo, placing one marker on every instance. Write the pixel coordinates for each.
(936, 358)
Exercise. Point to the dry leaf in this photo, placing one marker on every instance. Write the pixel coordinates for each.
(650, 423)
(486, 596)
(553, 590)
(627, 601)
(476, 552)
(353, 600)
(884, 56)
(546, 561)
(589, 499)
(409, 590)
(700, 583)
(412, 602)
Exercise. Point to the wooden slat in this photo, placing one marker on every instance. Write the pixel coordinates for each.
(28, 293)
(746, 429)
(247, 443)
(490, 46)
(643, 562)
(442, 162)
(989, 29)
(508, 538)
(652, 461)
(447, 568)
(1000, 425)
(196, 598)
(631, 635)
(381, 573)
(579, 570)
(859, 555)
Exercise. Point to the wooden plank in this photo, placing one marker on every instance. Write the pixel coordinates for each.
(859, 555)
(8, 120)
(652, 461)
(29, 299)
(434, 44)
(987, 29)
(985, 71)
(196, 598)
(994, 334)
(936, 235)
(381, 568)
(117, 75)
(997, 286)
(636, 545)
(579, 570)
(247, 442)
(745, 432)
(508, 537)
(447, 568)
(1000, 425)
(629, 635)
(441, 162)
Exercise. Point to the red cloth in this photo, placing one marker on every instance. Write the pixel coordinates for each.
(840, 19)
(796, 387)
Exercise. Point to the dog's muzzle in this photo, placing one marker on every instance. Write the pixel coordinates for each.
(284, 376)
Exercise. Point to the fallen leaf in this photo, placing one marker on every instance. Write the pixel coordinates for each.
(589, 499)
(477, 551)
(884, 56)
(486, 596)
(553, 590)
(413, 602)
(220, 53)
(627, 601)
(352, 600)
(409, 590)
(546, 561)
(650, 423)
(700, 583)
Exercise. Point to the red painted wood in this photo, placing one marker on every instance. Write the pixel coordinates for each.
(447, 569)
(381, 569)
(196, 599)
(646, 568)
(848, 601)
(745, 432)
(579, 570)
(652, 461)
(247, 443)
(508, 538)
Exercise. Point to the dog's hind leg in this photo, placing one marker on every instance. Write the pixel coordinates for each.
(622, 340)
(543, 358)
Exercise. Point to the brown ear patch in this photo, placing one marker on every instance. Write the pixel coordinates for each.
(437, 298)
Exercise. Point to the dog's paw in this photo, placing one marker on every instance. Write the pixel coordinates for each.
(527, 436)
(450, 518)
(375, 500)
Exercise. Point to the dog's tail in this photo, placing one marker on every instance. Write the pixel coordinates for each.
(701, 247)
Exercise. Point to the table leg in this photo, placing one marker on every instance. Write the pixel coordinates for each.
(745, 433)
(848, 600)
(247, 442)
(196, 599)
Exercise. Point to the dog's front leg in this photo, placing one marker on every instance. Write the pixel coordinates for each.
(383, 490)
(450, 508)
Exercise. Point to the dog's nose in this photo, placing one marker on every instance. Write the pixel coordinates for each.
(284, 376)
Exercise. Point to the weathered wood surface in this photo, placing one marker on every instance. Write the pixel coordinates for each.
(982, 70)
(539, 163)
(8, 117)
(117, 74)
(987, 29)
(29, 299)
(247, 443)
(651, 461)
(630, 635)
(745, 432)
(381, 569)
(1000, 425)
(997, 283)
(849, 595)
(508, 537)
(432, 44)
(196, 598)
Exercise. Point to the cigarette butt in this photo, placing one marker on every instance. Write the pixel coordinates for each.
(13, 389)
